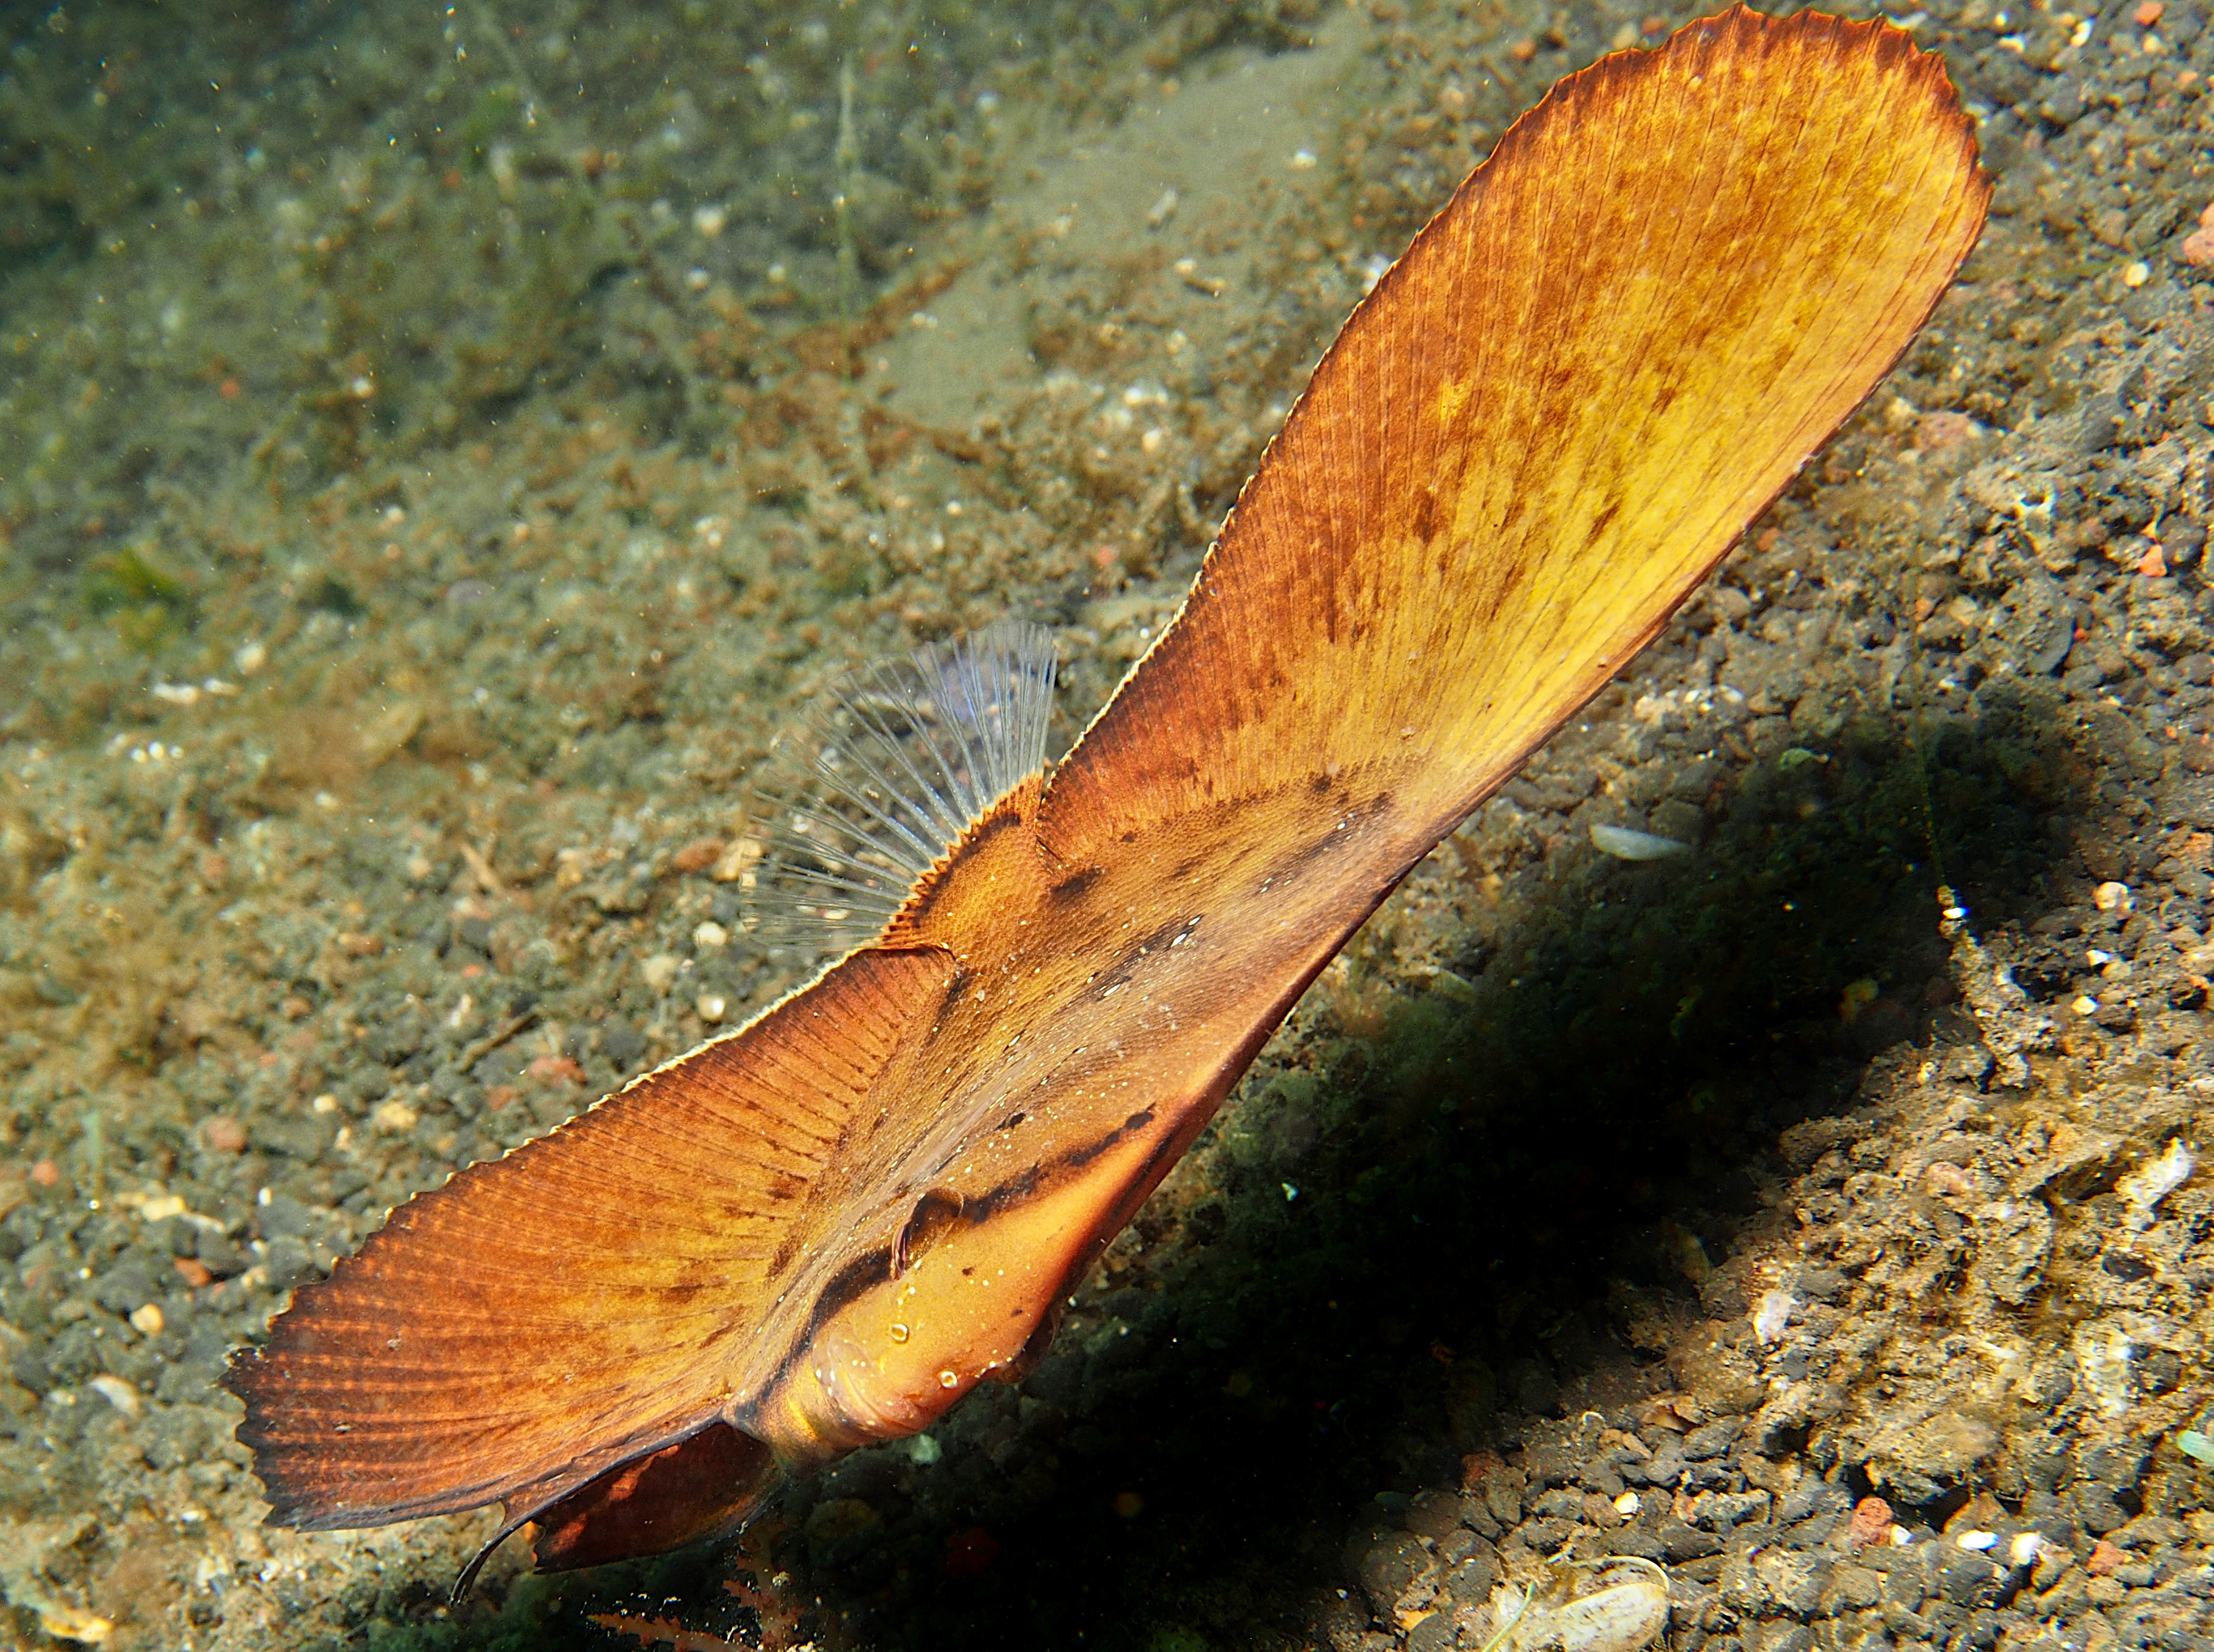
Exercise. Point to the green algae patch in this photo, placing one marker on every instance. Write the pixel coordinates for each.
(148, 606)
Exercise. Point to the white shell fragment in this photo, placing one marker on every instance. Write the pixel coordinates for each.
(1771, 1315)
(117, 1393)
(1625, 844)
(1624, 1611)
(2143, 1189)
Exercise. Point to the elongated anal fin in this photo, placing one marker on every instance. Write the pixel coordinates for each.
(1672, 279)
(703, 1486)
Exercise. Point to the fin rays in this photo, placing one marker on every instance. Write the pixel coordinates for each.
(884, 776)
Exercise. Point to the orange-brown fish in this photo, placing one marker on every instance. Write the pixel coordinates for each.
(1612, 348)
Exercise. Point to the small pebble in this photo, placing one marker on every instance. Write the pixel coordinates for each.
(2105, 1559)
(68, 1623)
(2112, 896)
(148, 1320)
(117, 1393)
(1870, 1523)
(392, 1116)
(700, 854)
(224, 1134)
(660, 971)
(2198, 245)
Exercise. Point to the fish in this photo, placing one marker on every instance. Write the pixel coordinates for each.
(1627, 843)
(1613, 347)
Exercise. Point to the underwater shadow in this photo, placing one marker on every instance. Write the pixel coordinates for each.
(1433, 1234)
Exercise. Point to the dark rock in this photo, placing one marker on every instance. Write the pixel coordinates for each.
(622, 1044)
(1710, 1439)
(282, 1218)
(2097, 1509)
(1680, 1542)
(1600, 1476)
(1341, 1625)
(1664, 1467)
(1391, 1568)
(1545, 1534)
(1811, 1497)
(2003, 75)
(127, 1287)
(1904, 1586)
(301, 1136)
(29, 1368)
(1471, 1581)
(1433, 1514)
(1919, 1461)
(1822, 1284)
(2156, 1370)
(1551, 1463)
(1476, 1515)
(1433, 1634)
(1562, 1504)
(288, 1264)
(2117, 1465)
(1635, 1540)
(1966, 1578)
(1851, 1588)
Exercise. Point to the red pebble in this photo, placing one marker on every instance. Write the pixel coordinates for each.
(1871, 1523)
(224, 1134)
(970, 1553)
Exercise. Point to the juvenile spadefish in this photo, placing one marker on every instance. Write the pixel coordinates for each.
(1671, 281)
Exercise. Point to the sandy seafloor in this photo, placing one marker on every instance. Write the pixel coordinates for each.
(440, 446)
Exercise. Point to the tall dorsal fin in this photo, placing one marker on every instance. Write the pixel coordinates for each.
(888, 769)
(1603, 357)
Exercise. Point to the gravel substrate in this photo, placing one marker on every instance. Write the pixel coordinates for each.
(1817, 1213)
